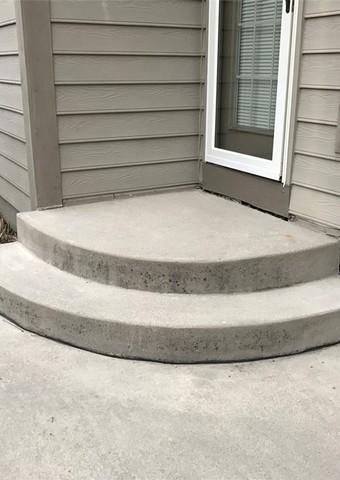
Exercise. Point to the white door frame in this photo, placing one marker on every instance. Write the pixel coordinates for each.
(247, 163)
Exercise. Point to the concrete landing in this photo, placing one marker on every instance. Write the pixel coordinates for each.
(178, 242)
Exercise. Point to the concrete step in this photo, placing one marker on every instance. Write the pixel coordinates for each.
(179, 242)
(166, 327)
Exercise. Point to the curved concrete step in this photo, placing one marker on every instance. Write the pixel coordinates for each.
(179, 242)
(166, 327)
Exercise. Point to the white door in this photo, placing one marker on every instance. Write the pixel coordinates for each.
(248, 63)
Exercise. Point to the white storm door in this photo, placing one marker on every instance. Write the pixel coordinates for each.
(248, 67)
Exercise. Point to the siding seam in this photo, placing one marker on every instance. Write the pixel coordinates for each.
(61, 113)
(323, 51)
(133, 164)
(10, 82)
(13, 135)
(123, 53)
(144, 189)
(11, 109)
(317, 122)
(113, 139)
(11, 159)
(9, 53)
(319, 87)
(313, 219)
(317, 155)
(7, 23)
(315, 188)
(127, 24)
(128, 82)
(322, 14)
(14, 185)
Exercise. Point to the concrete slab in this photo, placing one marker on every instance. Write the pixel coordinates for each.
(208, 228)
(178, 242)
(67, 414)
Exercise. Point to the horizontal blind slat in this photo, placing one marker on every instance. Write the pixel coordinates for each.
(259, 50)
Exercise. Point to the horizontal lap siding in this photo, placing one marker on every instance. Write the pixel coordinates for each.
(108, 126)
(78, 156)
(12, 123)
(11, 97)
(7, 12)
(154, 12)
(129, 93)
(316, 169)
(321, 7)
(9, 69)
(129, 179)
(14, 181)
(115, 39)
(125, 69)
(104, 98)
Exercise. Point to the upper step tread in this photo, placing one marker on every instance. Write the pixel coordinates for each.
(28, 277)
(184, 227)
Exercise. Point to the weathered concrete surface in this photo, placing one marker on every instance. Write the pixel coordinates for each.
(67, 414)
(166, 327)
(178, 242)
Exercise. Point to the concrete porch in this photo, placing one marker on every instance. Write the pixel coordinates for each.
(177, 277)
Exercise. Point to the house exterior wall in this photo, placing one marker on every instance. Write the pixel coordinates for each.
(125, 81)
(315, 193)
(14, 178)
(128, 79)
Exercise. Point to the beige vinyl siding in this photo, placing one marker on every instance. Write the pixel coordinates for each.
(14, 181)
(11, 97)
(122, 179)
(129, 91)
(7, 12)
(321, 7)
(9, 68)
(316, 168)
(127, 98)
(163, 12)
(12, 123)
(148, 150)
(108, 126)
(125, 70)
(120, 39)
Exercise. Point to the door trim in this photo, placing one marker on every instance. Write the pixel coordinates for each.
(293, 89)
(247, 163)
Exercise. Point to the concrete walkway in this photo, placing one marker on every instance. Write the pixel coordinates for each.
(69, 414)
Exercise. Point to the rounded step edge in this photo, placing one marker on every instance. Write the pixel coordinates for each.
(166, 328)
(243, 275)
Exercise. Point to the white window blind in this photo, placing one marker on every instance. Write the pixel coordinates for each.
(258, 63)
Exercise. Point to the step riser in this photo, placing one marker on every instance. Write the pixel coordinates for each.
(230, 277)
(173, 345)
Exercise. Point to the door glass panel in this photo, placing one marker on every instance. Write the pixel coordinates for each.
(248, 63)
